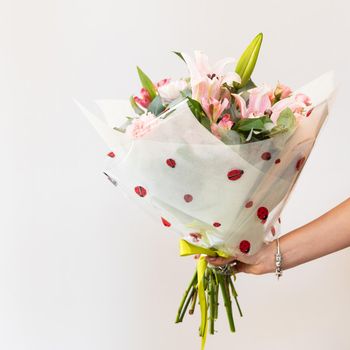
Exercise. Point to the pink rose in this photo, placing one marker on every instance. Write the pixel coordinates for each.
(162, 82)
(282, 91)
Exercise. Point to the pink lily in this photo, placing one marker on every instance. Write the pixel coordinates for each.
(296, 103)
(206, 80)
(225, 123)
(223, 126)
(213, 108)
(259, 102)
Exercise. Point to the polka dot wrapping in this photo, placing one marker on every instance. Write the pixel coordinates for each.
(209, 192)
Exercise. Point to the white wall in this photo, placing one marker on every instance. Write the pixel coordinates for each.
(71, 276)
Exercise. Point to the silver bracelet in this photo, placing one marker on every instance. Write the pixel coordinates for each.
(278, 260)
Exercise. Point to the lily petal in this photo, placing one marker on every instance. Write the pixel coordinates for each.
(241, 105)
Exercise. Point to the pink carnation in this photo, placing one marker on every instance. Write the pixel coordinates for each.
(141, 126)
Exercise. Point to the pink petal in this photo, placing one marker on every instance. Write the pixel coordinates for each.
(241, 105)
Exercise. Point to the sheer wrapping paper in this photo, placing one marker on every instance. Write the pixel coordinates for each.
(213, 194)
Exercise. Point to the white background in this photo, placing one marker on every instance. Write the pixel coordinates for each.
(81, 267)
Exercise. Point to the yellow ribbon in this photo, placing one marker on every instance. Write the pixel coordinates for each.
(186, 249)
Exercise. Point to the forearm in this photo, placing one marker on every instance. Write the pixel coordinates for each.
(325, 235)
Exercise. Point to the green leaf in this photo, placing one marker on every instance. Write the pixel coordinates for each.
(146, 82)
(249, 85)
(205, 122)
(252, 123)
(156, 107)
(135, 107)
(286, 119)
(179, 54)
(195, 108)
(246, 63)
(198, 112)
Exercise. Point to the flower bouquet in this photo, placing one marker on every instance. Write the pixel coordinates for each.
(215, 157)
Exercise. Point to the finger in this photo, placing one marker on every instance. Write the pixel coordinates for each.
(244, 258)
(218, 261)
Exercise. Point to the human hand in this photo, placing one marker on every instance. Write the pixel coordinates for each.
(260, 263)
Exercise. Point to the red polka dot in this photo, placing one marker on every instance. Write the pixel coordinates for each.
(171, 163)
(141, 191)
(309, 112)
(216, 224)
(277, 161)
(262, 213)
(244, 246)
(235, 174)
(266, 156)
(165, 222)
(263, 222)
(188, 198)
(196, 237)
(273, 230)
(300, 163)
(249, 204)
(111, 154)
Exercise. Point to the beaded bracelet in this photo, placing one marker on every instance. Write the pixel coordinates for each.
(278, 260)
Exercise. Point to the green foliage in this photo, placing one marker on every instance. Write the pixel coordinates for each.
(253, 129)
(249, 85)
(252, 123)
(286, 119)
(135, 107)
(147, 83)
(198, 112)
(156, 107)
(179, 54)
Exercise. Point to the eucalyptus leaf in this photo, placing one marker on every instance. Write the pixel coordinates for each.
(247, 61)
(147, 83)
(230, 137)
(286, 119)
(156, 107)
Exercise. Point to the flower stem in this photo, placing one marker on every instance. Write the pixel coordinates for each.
(184, 298)
(227, 300)
(216, 314)
(188, 300)
(194, 301)
(212, 299)
(235, 295)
